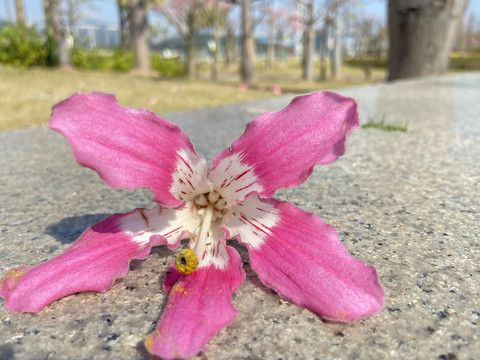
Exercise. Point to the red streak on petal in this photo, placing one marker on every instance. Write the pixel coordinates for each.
(255, 226)
(245, 187)
(189, 183)
(242, 174)
(169, 233)
(185, 162)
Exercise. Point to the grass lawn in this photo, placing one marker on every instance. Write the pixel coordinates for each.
(27, 95)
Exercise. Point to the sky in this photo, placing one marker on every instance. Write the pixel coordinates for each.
(105, 11)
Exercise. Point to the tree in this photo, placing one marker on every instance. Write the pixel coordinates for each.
(8, 11)
(270, 11)
(56, 34)
(324, 50)
(309, 20)
(21, 20)
(277, 24)
(331, 29)
(247, 66)
(421, 36)
(74, 13)
(123, 7)
(336, 54)
(140, 35)
(229, 42)
(215, 15)
(183, 14)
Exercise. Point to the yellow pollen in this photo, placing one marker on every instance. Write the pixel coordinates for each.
(149, 344)
(14, 275)
(186, 261)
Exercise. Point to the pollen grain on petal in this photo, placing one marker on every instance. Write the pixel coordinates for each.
(12, 277)
(186, 261)
(149, 343)
(341, 315)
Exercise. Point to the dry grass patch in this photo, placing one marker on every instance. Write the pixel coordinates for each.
(27, 95)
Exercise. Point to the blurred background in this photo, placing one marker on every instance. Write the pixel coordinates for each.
(180, 54)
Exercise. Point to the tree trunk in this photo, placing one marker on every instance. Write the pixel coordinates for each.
(190, 39)
(21, 20)
(247, 70)
(308, 43)
(336, 55)
(216, 40)
(323, 51)
(123, 14)
(421, 36)
(470, 33)
(140, 35)
(271, 43)
(60, 53)
(280, 51)
(229, 46)
(8, 11)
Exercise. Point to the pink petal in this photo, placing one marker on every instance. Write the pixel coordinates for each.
(101, 255)
(280, 149)
(131, 148)
(197, 307)
(303, 260)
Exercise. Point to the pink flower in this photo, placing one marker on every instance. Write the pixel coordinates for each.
(277, 89)
(292, 251)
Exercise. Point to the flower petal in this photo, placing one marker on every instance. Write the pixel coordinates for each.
(251, 220)
(233, 178)
(101, 255)
(279, 150)
(162, 226)
(197, 307)
(303, 259)
(131, 148)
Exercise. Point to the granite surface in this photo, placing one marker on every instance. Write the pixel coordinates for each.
(405, 202)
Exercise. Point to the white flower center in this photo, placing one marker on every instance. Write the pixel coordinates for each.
(211, 200)
(211, 208)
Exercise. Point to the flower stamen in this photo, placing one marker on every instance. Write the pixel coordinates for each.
(199, 245)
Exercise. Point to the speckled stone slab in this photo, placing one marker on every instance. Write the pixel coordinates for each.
(405, 202)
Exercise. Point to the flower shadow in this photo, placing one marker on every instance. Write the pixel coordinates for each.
(69, 229)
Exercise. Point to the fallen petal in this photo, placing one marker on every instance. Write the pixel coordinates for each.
(197, 307)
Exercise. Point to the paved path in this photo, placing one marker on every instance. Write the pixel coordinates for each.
(406, 202)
